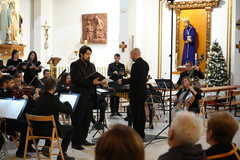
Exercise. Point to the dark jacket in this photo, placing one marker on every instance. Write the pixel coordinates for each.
(138, 80)
(29, 75)
(120, 68)
(11, 62)
(79, 71)
(48, 104)
(220, 149)
(185, 73)
(184, 153)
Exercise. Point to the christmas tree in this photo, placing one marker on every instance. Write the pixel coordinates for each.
(216, 71)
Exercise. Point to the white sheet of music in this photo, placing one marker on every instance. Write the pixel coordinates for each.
(71, 98)
(11, 108)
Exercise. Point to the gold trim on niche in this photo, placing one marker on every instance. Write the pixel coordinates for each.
(207, 5)
(159, 75)
(229, 39)
(194, 4)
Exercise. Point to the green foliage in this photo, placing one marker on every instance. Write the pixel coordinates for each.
(216, 71)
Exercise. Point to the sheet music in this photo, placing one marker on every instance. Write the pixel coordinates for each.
(71, 98)
(11, 109)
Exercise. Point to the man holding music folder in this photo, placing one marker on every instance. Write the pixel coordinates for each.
(48, 104)
(84, 81)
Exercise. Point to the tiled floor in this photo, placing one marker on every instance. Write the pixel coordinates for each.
(152, 151)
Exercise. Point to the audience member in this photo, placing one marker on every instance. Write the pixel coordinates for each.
(121, 142)
(220, 132)
(183, 134)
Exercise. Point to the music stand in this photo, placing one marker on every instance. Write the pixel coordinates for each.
(10, 109)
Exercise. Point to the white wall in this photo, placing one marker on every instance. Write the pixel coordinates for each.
(67, 29)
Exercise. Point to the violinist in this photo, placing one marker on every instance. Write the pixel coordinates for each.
(20, 74)
(63, 86)
(31, 69)
(40, 82)
(187, 85)
(13, 63)
(189, 68)
(7, 83)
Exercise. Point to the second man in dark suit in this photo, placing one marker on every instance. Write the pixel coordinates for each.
(138, 90)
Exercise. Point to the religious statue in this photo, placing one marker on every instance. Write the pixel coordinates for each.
(189, 36)
(12, 23)
(99, 28)
(89, 28)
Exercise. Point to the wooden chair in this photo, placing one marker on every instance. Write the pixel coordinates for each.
(31, 136)
(231, 102)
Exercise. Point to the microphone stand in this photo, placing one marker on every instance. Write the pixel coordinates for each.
(170, 55)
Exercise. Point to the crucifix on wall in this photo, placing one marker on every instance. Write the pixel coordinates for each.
(46, 27)
(238, 46)
(123, 46)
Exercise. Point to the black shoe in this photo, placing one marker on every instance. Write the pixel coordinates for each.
(126, 119)
(66, 157)
(31, 149)
(45, 151)
(86, 143)
(20, 154)
(77, 147)
(151, 127)
(119, 114)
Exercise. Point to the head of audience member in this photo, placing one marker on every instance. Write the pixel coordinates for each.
(135, 54)
(17, 81)
(7, 82)
(120, 142)
(50, 85)
(117, 58)
(32, 56)
(188, 66)
(221, 128)
(185, 129)
(65, 79)
(46, 74)
(85, 53)
(15, 54)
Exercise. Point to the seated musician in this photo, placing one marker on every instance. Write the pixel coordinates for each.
(40, 82)
(20, 74)
(189, 67)
(221, 129)
(63, 86)
(187, 85)
(48, 104)
(7, 83)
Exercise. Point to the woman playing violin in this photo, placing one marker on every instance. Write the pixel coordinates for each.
(64, 84)
(194, 91)
(31, 69)
(14, 62)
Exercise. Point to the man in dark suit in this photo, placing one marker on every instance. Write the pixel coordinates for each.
(116, 71)
(46, 75)
(48, 104)
(82, 115)
(138, 90)
(189, 67)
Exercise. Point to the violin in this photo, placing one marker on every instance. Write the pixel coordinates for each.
(17, 91)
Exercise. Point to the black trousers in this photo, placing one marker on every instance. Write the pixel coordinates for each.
(138, 116)
(81, 119)
(114, 104)
(67, 135)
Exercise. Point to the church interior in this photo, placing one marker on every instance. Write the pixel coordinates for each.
(57, 29)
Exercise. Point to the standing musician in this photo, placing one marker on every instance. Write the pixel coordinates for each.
(63, 86)
(31, 69)
(116, 70)
(82, 115)
(14, 62)
(187, 85)
(189, 68)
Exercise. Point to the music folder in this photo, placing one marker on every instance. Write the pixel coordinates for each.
(72, 98)
(95, 75)
(12, 109)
